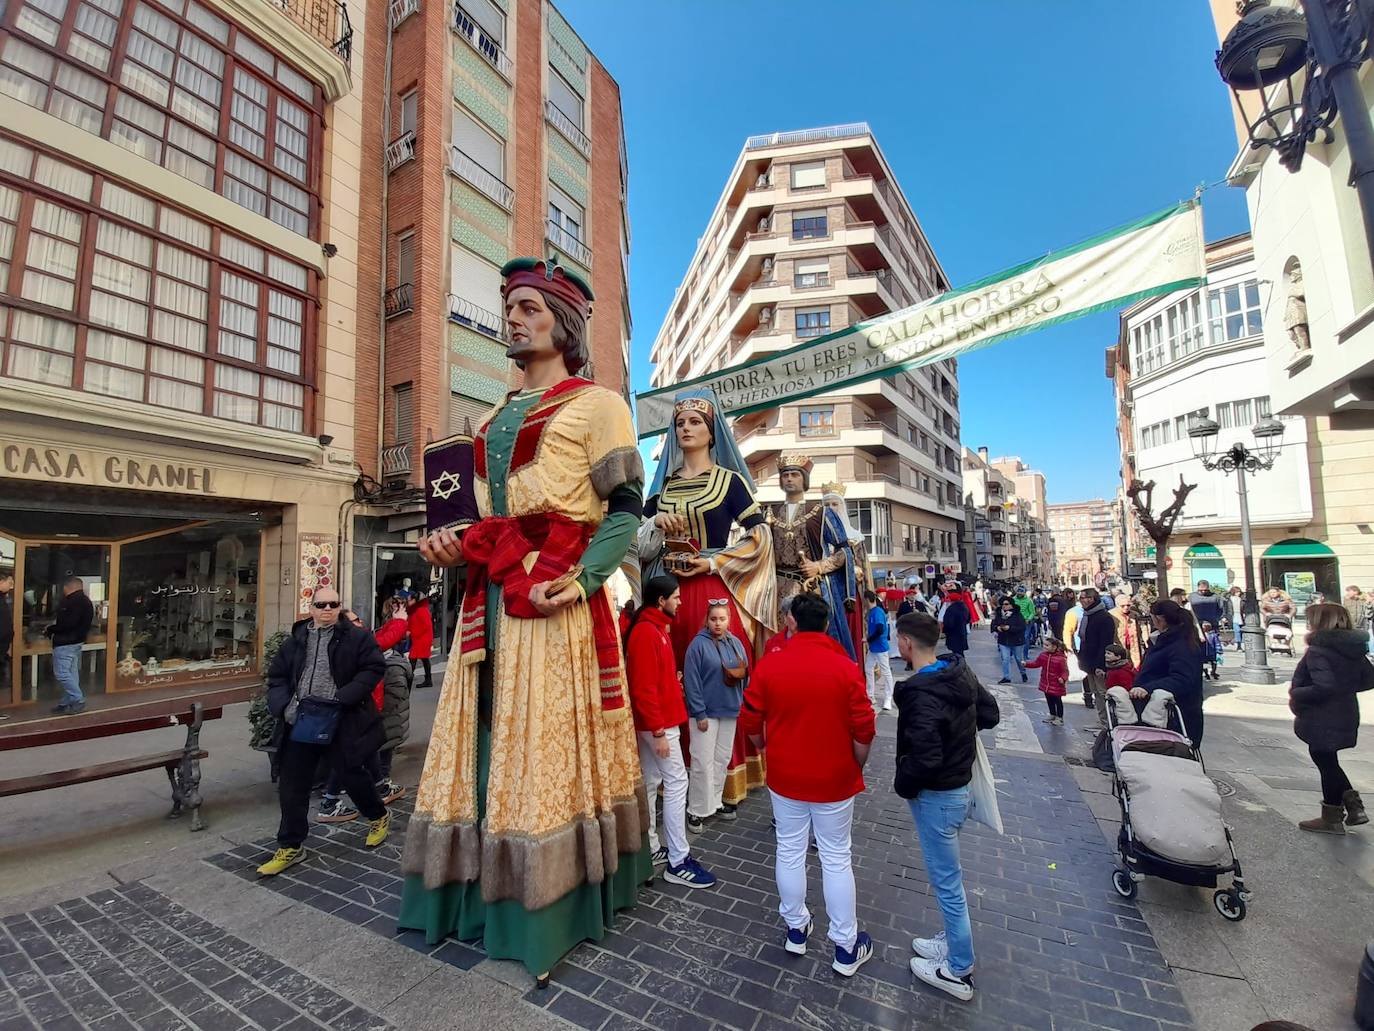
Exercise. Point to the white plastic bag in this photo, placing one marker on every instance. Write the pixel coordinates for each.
(1075, 670)
(982, 792)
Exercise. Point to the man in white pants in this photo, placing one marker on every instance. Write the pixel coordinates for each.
(809, 699)
(656, 703)
(879, 670)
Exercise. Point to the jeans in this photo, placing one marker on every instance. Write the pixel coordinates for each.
(66, 668)
(298, 763)
(880, 684)
(672, 774)
(938, 816)
(1334, 781)
(710, 750)
(1031, 634)
(830, 823)
(1009, 652)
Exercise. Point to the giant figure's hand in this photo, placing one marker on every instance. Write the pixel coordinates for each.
(548, 604)
(671, 523)
(698, 566)
(811, 569)
(441, 548)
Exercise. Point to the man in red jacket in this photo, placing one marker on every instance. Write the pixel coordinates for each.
(659, 712)
(811, 700)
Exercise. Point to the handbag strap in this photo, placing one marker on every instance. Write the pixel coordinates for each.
(721, 655)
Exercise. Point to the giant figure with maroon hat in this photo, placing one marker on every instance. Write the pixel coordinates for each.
(531, 819)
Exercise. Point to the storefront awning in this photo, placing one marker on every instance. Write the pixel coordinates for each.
(1298, 548)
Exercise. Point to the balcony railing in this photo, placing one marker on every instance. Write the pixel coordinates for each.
(398, 300)
(783, 139)
(465, 313)
(400, 150)
(482, 43)
(810, 280)
(565, 125)
(396, 461)
(575, 248)
(326, 20)
(471, 172)
(400, 10)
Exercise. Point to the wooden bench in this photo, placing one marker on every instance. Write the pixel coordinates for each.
(182, 764)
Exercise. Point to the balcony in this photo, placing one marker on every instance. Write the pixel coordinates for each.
(400, 150)
(565, 125)
(465, 313)
(482, 43)
(783, 139)
(326, 20)
(400, 10)
(468, 170)
(395, 461)
(398, 300)
(569, 244)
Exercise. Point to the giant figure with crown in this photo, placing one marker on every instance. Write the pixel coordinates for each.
(530, 820)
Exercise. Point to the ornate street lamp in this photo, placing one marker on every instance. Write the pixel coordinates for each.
(1239, 459)
(1304, 63)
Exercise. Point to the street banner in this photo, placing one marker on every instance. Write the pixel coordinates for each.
(1156, 255)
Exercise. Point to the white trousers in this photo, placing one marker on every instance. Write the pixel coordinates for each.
(711, 750)
(672, 774)
(880, 683)
(830, 823)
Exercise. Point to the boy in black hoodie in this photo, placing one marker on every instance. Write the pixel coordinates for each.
(940, 709)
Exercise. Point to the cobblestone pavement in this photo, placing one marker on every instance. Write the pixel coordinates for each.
(1057, 950)
(130, 958)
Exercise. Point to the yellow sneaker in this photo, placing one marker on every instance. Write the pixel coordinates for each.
(377, 834)
(283, 860)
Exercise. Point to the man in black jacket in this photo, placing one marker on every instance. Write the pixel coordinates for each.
(1096, 630)
(940, 710)
(325, 668)
(1010, 627)
(71, 623)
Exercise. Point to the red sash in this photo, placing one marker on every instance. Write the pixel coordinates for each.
(495, 550)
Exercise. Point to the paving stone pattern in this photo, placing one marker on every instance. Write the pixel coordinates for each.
(1057, 949)
(131, 958)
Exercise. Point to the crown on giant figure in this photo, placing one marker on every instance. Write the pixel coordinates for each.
(694, 404)
(833, 488)
(794, 460)
(549, 277)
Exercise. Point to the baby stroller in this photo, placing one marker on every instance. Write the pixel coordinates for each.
(1171, 825)
(1278, 634)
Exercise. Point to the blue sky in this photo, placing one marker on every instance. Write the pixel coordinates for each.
(1014, 129)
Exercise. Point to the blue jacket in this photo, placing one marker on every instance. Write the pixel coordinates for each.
(877, 630)
(703, 676)
(1174, 663)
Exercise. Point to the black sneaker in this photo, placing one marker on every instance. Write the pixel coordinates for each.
(695, 824)
(1024, 679)
(728, 812)
(1004, 680)
(336, 810)
(660, 856)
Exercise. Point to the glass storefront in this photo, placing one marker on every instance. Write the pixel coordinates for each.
(399, 571)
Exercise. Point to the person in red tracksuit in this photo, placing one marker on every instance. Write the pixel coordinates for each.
(659, 711)
(421, 627)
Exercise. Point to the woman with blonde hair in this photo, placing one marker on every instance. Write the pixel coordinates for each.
(1327, 714)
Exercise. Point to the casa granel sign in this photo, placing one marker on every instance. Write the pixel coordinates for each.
(65, 465)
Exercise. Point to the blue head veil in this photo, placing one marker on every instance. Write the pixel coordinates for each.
(725, 452)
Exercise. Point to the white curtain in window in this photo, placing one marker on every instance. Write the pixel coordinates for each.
(49, 218)
(183, 265)
(105, 379)
(54, 334)
(180, 331)
(232, 406)
(117, 350)
(43, 366)
(184, 397)
(121, 242)
(120, 277)
(240, 252)
(54, 256)
(181, 298)
(46, 290)
(119, 313)
(176, 364)
(15, 159)
(287, 273)
(212, 26)
(127, 204)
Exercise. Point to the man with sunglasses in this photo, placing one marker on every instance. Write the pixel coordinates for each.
(330, 663)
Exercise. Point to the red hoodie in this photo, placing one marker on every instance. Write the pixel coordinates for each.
(1121, 676)
(651, 672)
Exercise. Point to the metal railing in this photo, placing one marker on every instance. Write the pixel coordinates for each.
(396, 460)
(465, 313)
(830, 132)
(575, 248)
(482, 43)
(400, 10)
(398, 300)
(400, 150)
(467, 169)
(565, 125)
(326, 20)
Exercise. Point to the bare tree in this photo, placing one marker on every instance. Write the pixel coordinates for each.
(1159, 527)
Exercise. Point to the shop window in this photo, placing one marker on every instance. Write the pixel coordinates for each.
(188, 607)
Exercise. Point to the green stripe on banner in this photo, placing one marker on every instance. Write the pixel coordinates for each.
(1154, 255)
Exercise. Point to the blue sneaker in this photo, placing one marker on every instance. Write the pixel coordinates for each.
(796, 938)
(848, 961)
(690, 874)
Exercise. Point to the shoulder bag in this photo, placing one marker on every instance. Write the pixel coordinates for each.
(733, 674)
(317, 720)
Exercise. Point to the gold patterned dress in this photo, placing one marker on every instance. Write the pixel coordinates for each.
(531, 819)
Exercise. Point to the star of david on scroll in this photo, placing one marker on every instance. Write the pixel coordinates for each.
(443, 486)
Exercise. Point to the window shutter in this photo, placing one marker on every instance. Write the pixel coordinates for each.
(464, 414)
(812, 173)
(404, 428)
(477, 281)
(478, 144)
(811, 266)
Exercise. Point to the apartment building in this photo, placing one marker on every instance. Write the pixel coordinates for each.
(1085, 535)
(1037, 547)
(811, 234)
(1200, 354)
(492, 133)
(1313, 265)
(179, 253)
(991, 495)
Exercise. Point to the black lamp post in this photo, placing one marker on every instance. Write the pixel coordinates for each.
(1269, 50)
(1239, 459)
